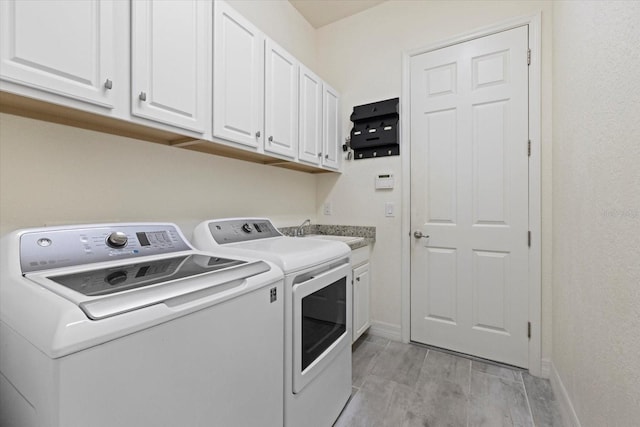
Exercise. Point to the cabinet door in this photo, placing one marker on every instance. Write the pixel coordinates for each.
(361, 300)
(238, 78)
(63, 47)
(331, 141)
(281, 101)
(169, 59)
(310, 140)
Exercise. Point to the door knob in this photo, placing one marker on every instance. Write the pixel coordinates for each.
(418, 235)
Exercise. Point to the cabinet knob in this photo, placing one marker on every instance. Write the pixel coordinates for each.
(357, 279)
(271, 139)
(258, 134)
(326, 156)
(319, 154)
(143, 96)
(108, 84)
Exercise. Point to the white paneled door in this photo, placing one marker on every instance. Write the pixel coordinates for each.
(469, 197)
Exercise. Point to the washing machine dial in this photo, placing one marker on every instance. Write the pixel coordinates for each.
(246, 227)
(117, 239)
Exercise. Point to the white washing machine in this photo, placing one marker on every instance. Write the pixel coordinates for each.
(317, 312)
(128, 325)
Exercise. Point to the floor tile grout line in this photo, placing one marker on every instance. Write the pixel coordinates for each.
(526, 395)
(473, 359)
(469, 394)
(498, 376)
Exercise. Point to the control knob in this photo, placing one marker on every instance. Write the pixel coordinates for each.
(246, 228)
(117, 239)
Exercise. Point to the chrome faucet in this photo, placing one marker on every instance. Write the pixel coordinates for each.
(300, 230)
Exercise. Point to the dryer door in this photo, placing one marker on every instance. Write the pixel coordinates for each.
(321, 322)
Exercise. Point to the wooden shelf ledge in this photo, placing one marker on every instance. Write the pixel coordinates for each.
(40, 110)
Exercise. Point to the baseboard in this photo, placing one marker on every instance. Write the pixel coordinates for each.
(385, 330)
(567, 411)
(545, 368)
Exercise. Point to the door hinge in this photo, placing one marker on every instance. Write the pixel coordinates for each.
(529, 148)
(529, 238)
(529, 330)
(528, 56)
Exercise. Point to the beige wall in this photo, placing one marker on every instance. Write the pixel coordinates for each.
(52, 174)
(596, 209)
(362, 57)
(283, 24)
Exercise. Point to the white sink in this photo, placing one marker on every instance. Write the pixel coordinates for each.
(345, 239)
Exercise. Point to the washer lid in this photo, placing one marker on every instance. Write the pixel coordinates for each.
(117, 289)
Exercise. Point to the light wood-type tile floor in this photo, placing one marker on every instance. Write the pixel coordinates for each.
(406, 385)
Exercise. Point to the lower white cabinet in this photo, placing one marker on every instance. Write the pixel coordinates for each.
(361, 292)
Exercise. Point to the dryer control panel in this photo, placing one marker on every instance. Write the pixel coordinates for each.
(242, 230)
(64, 247)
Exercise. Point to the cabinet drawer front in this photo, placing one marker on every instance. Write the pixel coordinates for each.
(360, 255)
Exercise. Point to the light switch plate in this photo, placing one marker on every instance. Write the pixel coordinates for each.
(328, 208)
(389, 209)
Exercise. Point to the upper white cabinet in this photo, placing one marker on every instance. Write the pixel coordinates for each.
(185, 72)
(238, 78)
(281, 101)
(170, 62)
(310, 139)
(63, 47)
(331, 141)
(320, 142)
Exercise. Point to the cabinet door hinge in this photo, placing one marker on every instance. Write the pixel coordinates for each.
(529, 238)
(529, 330)
(528, 56)
(529, 148)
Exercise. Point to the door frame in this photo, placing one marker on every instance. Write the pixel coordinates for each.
(535, 274)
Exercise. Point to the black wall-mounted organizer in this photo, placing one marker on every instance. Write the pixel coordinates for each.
(375, 129)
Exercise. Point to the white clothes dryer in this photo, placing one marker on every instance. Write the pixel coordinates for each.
(128, 325)
(317, 312)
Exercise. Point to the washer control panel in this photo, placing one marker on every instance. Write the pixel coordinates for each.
(46, 249)
(242, 230)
